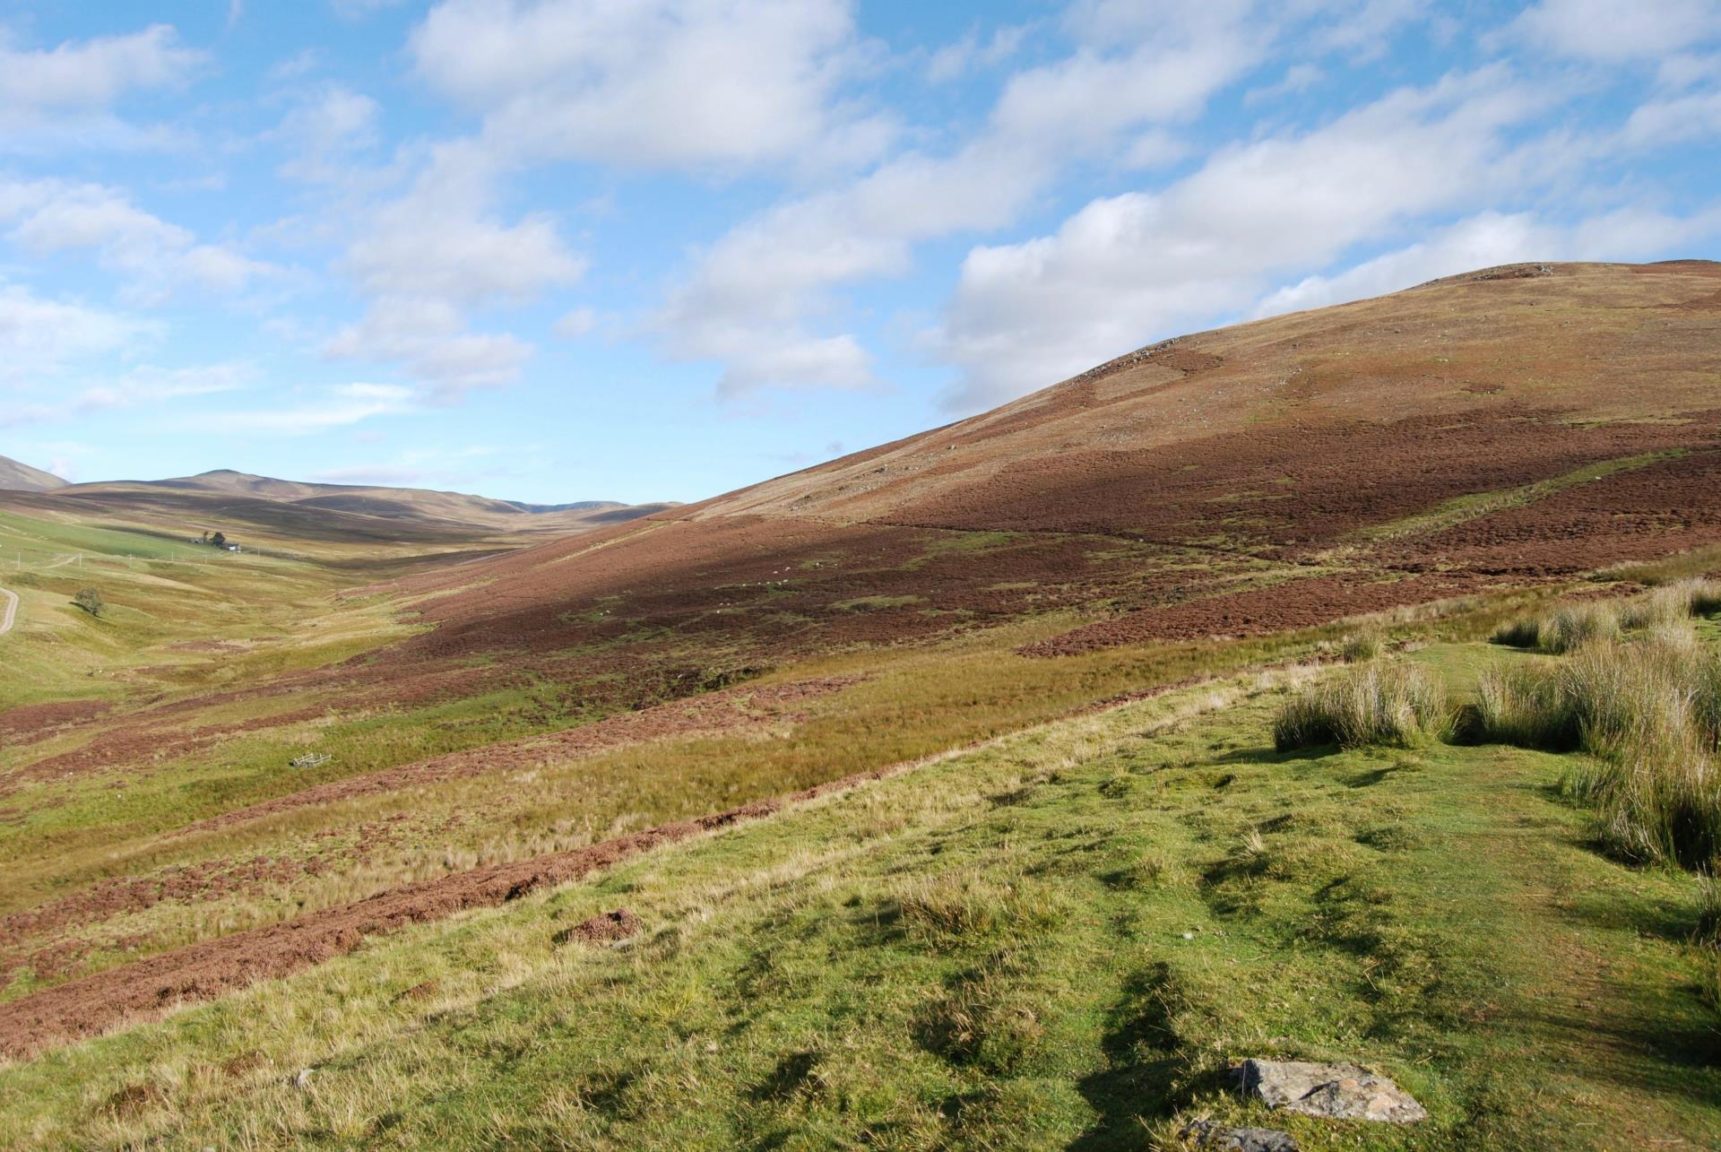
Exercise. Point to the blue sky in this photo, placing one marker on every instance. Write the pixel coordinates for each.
(568, 249)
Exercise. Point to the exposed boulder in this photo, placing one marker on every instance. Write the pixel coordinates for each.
(1331, 1091)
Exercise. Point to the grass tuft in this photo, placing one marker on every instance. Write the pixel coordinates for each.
(1709, 909)
(1648, 713)
(1362, 646)
(1576, 625)
(1518, 634)
(952, 908)
(1377, 703)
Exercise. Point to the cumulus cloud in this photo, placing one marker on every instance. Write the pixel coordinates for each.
(50, 98)
(49, 217)
(973, 53)
(90, 74)
(39, 335)
(1125, 269)
(659, 83)
(1606, 32)
(325, 130)
(1659, 123)
(428, 257)
(753, 298)
(1491, 238)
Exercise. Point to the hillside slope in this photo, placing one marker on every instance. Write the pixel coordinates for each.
(16, 476)
(1499, 428)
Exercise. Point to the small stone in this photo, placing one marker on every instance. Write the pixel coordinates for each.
(1207, 1134)
(1189, 935)
(1331, 1091)
(302, 1079)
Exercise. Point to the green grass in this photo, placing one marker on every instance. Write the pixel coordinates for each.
(1057, 941)
(1475, 505)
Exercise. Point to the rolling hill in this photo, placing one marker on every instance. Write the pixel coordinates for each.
(1487, 431)
(23, 478)
(288, 515)
(935, 796)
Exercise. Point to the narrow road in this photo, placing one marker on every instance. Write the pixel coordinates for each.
(8, 613)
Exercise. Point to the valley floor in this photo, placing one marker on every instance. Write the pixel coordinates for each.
(1057, 940)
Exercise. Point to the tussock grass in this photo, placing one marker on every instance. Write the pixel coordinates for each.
(1518, 634)
(1362, 646)
(953, 908)
(1378, 703)
(1649, 713)
(1709, 908)
(1576, 625)
(1571, 627)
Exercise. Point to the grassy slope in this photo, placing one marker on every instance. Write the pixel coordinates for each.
(1055, 941)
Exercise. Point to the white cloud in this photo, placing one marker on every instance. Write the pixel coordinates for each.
(430, 256)
(753, 298)
(429, 247)
(657, 83)
(325, 130)
(341, 406)
(1298, 78)
(38, 335)
(973, 54)
(1659, 123)
(49, 217)
(429, 337)
(153, 385)
(1126, 269)
(577, 323)
(1609, 32)
(1492, 238)
(91, 74)
(1133, 64)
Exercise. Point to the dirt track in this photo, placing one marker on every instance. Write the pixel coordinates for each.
(8, 612)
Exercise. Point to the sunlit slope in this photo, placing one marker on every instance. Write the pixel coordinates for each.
(16, 476)
(1506, 426)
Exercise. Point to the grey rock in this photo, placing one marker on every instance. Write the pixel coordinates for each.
(302, 1079)
(1331, 1091)
(1224, 1138)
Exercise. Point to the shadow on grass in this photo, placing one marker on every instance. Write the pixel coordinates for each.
(1144, 1063)
(1665, 919)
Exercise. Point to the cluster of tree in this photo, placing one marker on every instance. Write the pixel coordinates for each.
(89, 600)
(218, 540)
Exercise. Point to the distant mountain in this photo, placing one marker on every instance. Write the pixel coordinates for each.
(16, 477)
(226, 500)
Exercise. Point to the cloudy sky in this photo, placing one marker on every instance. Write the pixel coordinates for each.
(655, 249)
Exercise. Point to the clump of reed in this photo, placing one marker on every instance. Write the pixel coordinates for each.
(1375, 703)
(1648, 711)
(1572, 626)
